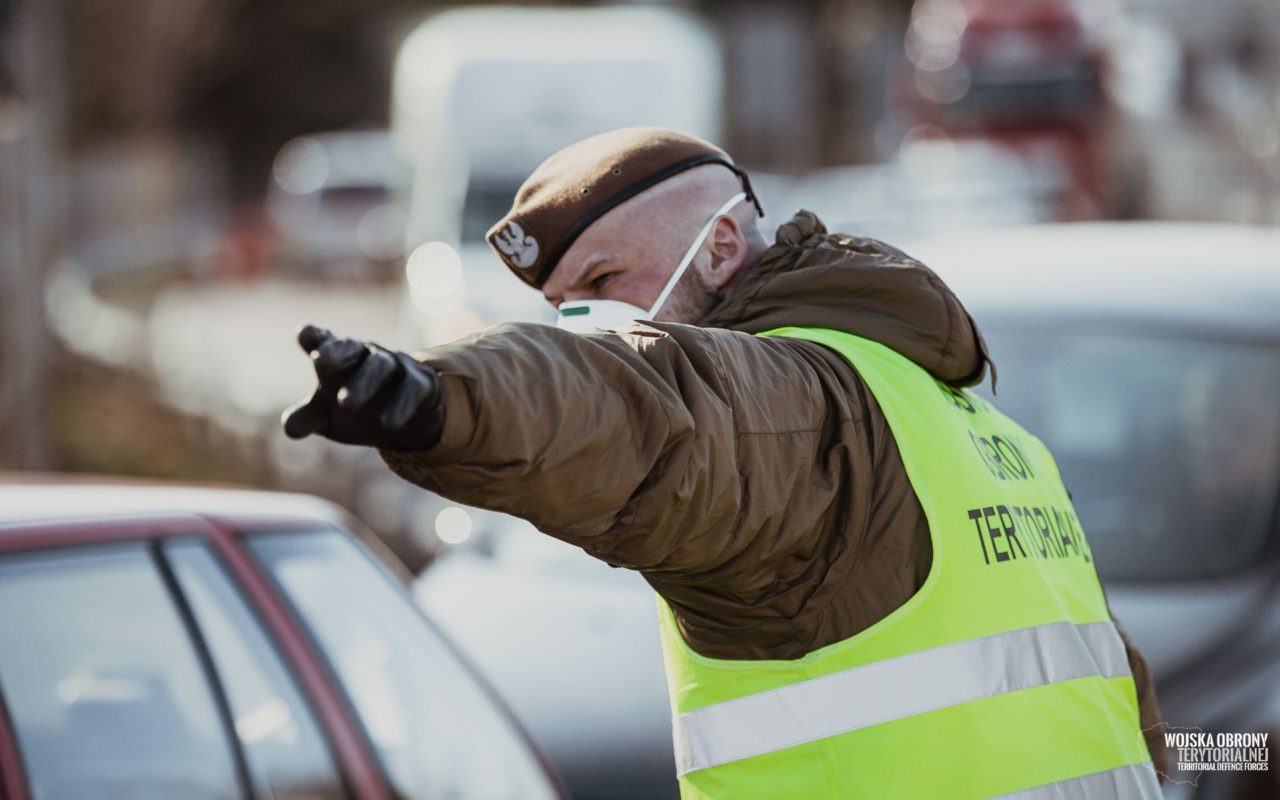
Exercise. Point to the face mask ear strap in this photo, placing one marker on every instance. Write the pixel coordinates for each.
(689, 254)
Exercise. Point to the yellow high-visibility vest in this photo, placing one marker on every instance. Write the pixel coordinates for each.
(1003, 676)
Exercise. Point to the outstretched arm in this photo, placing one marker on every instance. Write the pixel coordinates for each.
(641, 447)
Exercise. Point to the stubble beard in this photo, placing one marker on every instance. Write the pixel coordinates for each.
(690, 301)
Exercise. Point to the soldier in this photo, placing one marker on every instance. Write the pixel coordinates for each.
(778, 439)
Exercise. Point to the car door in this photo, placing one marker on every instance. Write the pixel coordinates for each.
(436, 730)
(131, 666)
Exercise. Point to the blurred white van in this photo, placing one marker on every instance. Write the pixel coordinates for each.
(480, 96)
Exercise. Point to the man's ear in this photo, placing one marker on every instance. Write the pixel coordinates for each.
(729, 252)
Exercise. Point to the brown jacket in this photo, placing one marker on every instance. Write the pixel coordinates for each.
(752, 481)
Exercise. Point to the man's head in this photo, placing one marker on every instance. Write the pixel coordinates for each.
(611, 218)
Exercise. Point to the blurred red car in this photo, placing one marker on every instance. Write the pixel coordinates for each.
(1027, 75)
(163, 642)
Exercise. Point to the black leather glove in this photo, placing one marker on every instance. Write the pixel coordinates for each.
(367, 395)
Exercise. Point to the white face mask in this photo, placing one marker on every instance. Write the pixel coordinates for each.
(584, 316)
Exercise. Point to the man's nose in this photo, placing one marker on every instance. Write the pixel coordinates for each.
(580, 294)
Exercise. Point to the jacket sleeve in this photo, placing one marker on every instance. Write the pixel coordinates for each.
(639, 447)
(1148, 707)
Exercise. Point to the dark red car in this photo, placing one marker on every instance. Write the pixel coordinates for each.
(167, 642)
(1027, 76)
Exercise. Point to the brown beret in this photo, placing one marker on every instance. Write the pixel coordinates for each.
(579, 184)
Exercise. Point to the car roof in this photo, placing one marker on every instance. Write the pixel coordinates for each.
(1198, 275)
(44, 498)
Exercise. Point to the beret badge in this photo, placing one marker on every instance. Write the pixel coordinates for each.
(518, 249)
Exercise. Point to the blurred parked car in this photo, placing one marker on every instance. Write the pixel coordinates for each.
(1147, 356)
(1027, 76)
(160, 642)
(560, 632)
(332, 203)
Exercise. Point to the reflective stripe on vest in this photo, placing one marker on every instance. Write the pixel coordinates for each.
(895, 688)
(1003, 675)
(1132, 782)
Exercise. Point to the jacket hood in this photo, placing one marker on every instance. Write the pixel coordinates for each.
(857, 285)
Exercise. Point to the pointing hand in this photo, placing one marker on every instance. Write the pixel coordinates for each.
(367, 395)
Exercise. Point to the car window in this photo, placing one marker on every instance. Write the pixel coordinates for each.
(438, 734)
(104, 687)
(355, 196)
(1171, 448)
(1057, 91)
(287, 755)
